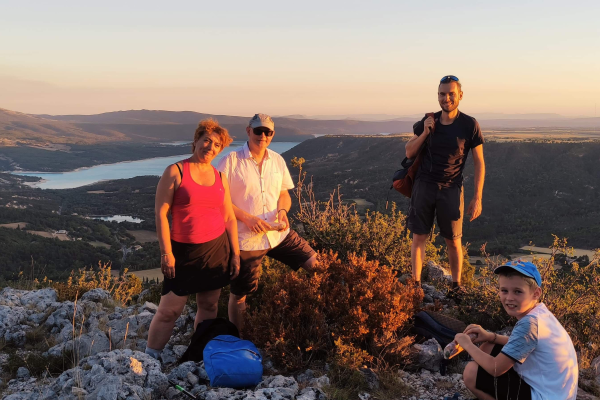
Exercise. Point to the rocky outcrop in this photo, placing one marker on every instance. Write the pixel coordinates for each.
(429, 355)
(431, 293)
(107, 344)
(133, 375)
(435, 272)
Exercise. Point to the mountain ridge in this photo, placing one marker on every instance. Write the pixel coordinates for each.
(20, 129)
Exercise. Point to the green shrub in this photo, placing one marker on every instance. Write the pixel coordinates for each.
(381, 237)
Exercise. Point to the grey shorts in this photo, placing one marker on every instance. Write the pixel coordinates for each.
(429, 200)
(293, 251)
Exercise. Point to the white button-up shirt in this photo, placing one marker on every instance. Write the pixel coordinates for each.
(256, 193)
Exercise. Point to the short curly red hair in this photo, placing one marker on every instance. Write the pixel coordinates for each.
(210, 125)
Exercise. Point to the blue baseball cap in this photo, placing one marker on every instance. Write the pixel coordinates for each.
(526, 268)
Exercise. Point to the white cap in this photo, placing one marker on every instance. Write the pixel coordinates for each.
(262, 120)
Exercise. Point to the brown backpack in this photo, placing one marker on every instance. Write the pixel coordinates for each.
(404, 178)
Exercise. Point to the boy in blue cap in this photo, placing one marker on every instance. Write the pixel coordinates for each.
(538, 360)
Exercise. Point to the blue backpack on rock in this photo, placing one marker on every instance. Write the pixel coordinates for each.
(232, 362)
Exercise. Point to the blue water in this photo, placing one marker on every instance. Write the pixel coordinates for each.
(129, 169)
(120, 218)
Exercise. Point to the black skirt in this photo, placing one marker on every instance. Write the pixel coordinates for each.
(199, 267)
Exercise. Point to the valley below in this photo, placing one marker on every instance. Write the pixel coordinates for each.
(534, 189)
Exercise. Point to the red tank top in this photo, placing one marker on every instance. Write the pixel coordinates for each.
(197, 211)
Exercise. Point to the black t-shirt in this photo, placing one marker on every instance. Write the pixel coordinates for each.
(446, 150)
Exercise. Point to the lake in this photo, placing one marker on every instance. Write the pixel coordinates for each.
(118, 218)
(129, 169)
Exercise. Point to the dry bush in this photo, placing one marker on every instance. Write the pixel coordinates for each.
(571, 293)
(122, 288)
(336, 226)
(347, 310)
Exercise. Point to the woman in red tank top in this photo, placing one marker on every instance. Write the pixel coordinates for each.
(200, 251)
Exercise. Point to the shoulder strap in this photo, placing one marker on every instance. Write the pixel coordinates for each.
(180, 171)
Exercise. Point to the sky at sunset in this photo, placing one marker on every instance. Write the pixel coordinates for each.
(309, 57)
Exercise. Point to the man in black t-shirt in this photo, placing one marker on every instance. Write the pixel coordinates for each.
(445, 141)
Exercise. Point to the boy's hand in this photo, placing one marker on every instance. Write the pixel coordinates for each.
(482, 334)
(462, 339)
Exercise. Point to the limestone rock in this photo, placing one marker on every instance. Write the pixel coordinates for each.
(311, 393)
(320, 382)
(88, 344)
(11, 297)
(192, 379)
(23, 373)
(39, 299)
(122, 330)
(287, 387)
(371, 378)
(149, 307)
(168, 357)
(180, 372)
(96, 295)
(305, 376)
(429, 355)
(437, 272)
(144, 318)
(10, 316)
(179, 349)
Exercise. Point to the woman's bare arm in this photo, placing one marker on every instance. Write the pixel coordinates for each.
(165, 190)
(232, 232)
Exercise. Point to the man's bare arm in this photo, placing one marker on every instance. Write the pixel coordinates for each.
(475, 206)
(285, 201)
(413, 145)
(479, 170)
(416, 142)
(283, 206)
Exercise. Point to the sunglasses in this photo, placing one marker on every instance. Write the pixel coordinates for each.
(449, 78)
(260, 131)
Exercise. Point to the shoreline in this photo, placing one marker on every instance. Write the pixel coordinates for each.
(62, 180)
(84, 168)
(22, 172)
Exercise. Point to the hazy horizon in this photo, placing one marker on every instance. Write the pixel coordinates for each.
(333, 58)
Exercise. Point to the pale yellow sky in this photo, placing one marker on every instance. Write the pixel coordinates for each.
(325, 58)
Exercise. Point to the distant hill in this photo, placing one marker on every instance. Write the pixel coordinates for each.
(145, 126)
(18, 128)
(413, 117)
(286, 127)
(162, 126)
(301, 125)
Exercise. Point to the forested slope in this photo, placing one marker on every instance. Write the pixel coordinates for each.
(532, 189)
